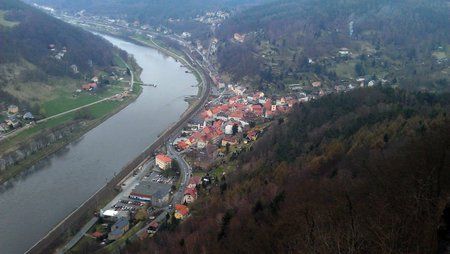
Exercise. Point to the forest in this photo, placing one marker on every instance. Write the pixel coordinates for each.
(26, 56)
(391, 39)
(362, 172)
(30, 39)
(155, 11)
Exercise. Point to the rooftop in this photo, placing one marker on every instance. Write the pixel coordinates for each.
(164, 158)
(151, 189)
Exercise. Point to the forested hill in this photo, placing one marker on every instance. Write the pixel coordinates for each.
(362, 172)
(403, 40)
(150, 11)
(27, 33)
(36, 48)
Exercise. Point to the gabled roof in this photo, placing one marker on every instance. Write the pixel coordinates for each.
(182, 209)
(121, 223)
(190, 191)
(164, 158)
(195, 180)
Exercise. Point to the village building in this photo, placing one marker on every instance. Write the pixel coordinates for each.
(13, 109)
(155, 193)
(343, 52)
(194, 182)
(28, 116)
(118, 229)
(239, 37)
(316, 84)
(89, 86)
(163, 161)
(190, 195)
(181, 211)
(231, 140)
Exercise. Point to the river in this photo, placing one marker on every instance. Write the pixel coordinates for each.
(31, 204)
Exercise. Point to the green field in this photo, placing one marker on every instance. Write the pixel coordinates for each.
(67, 101)
(97, 111)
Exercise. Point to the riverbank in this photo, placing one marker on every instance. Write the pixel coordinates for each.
(100, 113)
(78, 218)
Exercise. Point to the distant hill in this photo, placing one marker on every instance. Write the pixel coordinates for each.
(147, 10)
(36, 47)
(405, 39)
(363, 172)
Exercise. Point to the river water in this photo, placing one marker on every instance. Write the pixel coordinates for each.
(34, 202)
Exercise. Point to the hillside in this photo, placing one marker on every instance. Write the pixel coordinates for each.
(362, 172)
(147, 11)
(295, 41)
(39, 53)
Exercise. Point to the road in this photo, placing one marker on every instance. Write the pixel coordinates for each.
(128, 185)
(93, 103)
(172, 133)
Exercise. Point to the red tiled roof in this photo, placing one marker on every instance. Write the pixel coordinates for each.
(182, 145)
(182, 209)
(229, 139)
(195, 180)
(164, 158)
(191, 191)
(237, 114)
(97, 234)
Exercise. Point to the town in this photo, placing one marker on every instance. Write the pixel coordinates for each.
(160, 191)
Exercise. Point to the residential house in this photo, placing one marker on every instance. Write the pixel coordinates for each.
(13, 122)
(190, 195)
(181, 211)
(118, 229)
(13, 109)
(343, 52)
(237, 115)
(229, 140)
(194, 182)
(257, 109)
(316, 84)
(28, 116)
(239, 37)
(182, 145)
(163, 161)
(89, 87)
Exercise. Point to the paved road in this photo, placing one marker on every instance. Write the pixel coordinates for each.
(77, 237)
(128, 185)
(93, 103)
(73, 110)
(184, 167)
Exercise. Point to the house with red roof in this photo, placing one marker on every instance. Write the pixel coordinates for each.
(229, 140)
(268, 105)
(190, 195)
(163, 161)
(237, 115)
(194, 182)
(181, 211)
(202, 141)
(257, 109)
(88, 87)
(182, 145)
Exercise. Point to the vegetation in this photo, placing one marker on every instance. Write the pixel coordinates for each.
(40, 52)
(156, 11)
(397, 41)
(362, 172)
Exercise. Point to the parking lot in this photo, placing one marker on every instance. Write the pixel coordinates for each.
(147, 177)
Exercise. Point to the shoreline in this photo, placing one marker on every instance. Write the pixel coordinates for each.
(75, 220)
(34, 159)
